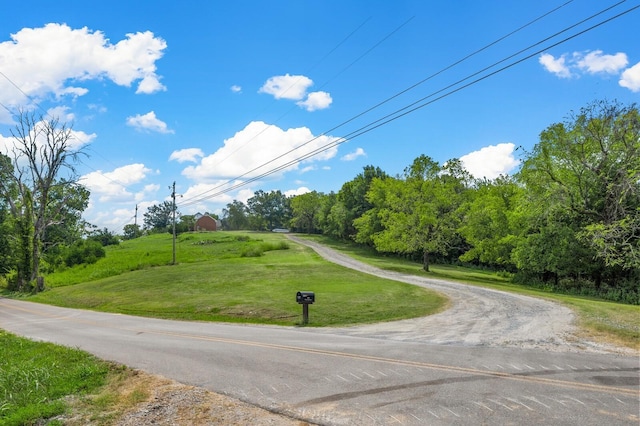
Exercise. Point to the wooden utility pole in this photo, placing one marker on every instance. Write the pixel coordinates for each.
(173, 196)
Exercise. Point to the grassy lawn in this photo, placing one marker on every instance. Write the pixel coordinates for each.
(219, 277)
(600, 320)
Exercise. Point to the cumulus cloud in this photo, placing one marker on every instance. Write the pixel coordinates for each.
(148, 122)
(490, 161)
(555, 66)
(188, 154)
(593, 63)
(236, 89)
(287, 86)
(316, 101)
(76, 141)
(56, 59)
(631, 78)
(596, 62)
(299, 191)
(294, 87)
(359, 152)
(113, 186)
(246, 152)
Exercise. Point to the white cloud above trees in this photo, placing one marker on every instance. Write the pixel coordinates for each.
(245, 153)
(594, 62)
(630, 78)
(491, 161)
(57, 59)
(112, 186)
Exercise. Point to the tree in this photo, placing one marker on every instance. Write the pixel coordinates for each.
(583, 182)
(417, 214)
(268, 210)
(488, 222)
(352, 202)
(305, 208)
(131, 231)
(34, 189)
(159, 217)
(104, 237)
(234, 217)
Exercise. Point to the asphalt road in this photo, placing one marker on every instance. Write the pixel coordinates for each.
(339, 379)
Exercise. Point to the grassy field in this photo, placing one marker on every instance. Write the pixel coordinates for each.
(222, 277)
(43, 383)
(600, 320)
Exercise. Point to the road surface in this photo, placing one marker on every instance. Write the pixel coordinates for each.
(358, 375)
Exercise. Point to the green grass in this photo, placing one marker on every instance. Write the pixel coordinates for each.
(233, 277)
(35, 378)
(601, 320)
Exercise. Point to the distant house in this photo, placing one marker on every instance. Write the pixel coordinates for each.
(207, 223)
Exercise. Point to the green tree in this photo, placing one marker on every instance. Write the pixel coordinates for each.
(417, 214)
(488, 222)
(234, 216)
(131, 231)
(269, 210)
(306, 209)
(352, 202)
(33, 187)
(159, 217)
(583, 186)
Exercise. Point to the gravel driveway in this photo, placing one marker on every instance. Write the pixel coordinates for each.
(477, 316)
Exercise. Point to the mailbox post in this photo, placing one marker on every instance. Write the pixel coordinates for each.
(305, 298)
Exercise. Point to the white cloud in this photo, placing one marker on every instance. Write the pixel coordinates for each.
(56, 59)
(246, 153)
(555, 66)
(631, 78)
(490, 161)
(236, 89)
(61, 113)
(299, 191)
(294, 87)
(113, 186)
(148, 122)
(595, 62)
(316, 101)
(188, 154)
(287, 86)
(76, 141)
(359, 152)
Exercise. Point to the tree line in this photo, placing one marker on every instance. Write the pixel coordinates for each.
(567, 221)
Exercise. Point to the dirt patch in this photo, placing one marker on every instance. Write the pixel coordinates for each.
(172, 403)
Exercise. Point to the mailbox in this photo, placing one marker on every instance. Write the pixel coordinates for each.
(305, 297)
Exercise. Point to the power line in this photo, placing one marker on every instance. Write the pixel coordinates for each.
(210, 193)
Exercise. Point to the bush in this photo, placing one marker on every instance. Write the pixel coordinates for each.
(84, 252)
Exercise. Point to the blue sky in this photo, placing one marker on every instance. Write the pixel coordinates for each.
(213, 94)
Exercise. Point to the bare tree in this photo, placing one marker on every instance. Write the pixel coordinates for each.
(36, 190)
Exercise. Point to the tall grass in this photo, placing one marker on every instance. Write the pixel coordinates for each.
(35, 378)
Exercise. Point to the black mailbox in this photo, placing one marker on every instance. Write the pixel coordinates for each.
(305, 297)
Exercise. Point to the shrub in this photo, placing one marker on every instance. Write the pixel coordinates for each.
(84, 251)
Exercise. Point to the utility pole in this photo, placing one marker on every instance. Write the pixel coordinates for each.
(173, 196)
(135, 219)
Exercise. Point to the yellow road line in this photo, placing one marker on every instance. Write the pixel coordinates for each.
(323, 352)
